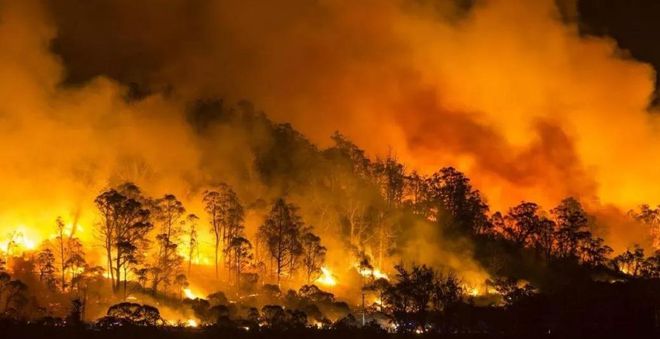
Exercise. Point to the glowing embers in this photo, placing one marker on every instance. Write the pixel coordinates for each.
(326, 278)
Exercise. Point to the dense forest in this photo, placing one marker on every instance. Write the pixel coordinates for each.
(542, 270)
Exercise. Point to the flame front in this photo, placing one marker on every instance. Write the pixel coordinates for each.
(189, 294)
(326, 278)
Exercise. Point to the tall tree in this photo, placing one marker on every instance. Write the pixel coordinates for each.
(280, 233)
(450, 192)
(522, 223)
(572, 230)
(193, 245)
(46, 267)
(390, 175)
(650, 217)
(62, 240)
(226, 216)
(313, 255)
(239, 257)
(168, 211)
(125, 223)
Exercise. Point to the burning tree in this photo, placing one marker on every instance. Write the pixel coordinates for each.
(125, 223)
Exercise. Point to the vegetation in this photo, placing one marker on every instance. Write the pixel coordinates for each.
(549, 270)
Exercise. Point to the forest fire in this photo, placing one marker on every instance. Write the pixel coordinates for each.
(17, 242)
(326, 278)
(189, 294)
(369, 272)
(412, 166)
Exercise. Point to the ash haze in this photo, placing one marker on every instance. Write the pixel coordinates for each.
(534, 101)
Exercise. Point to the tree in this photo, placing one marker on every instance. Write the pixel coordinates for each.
(651, 266)
(450, 191)
(61, 244)
(131, 313)
(75, 262)
(226, 216)
(46, 267)
(125, 223)
(593, 252)
(572, 230)
(13, 293)
(239, 257)
(313, 255)
(631, 261)
(390, 174)
(168, 212)
(651, 217)
(280, 233)
(193, 246)
(415, 291)
(522, 223)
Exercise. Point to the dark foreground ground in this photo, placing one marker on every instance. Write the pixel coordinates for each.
(38, 332)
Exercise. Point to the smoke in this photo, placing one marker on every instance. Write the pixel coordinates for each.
(508, 91)
(94, 93)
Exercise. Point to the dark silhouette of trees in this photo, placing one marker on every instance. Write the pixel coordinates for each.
(593, 252)
(523, 224)
(168, 212)
(193, 244)
(572, 231)
(650, 217)
(631, 261)
(450, 191)
(313, 255)
(46, 267)
(125, 223)
(280, 233)
(226, 216)
(239, 256)
(416, 293)
(390, 175)
(13, 295)
(61, 244)
(124, 314)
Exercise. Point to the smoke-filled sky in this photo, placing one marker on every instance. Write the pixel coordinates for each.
(513, 92)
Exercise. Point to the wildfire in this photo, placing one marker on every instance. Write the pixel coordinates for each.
(191, 323)
(376, 273)
(326, 278)
(189, 294)
(17, 242)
